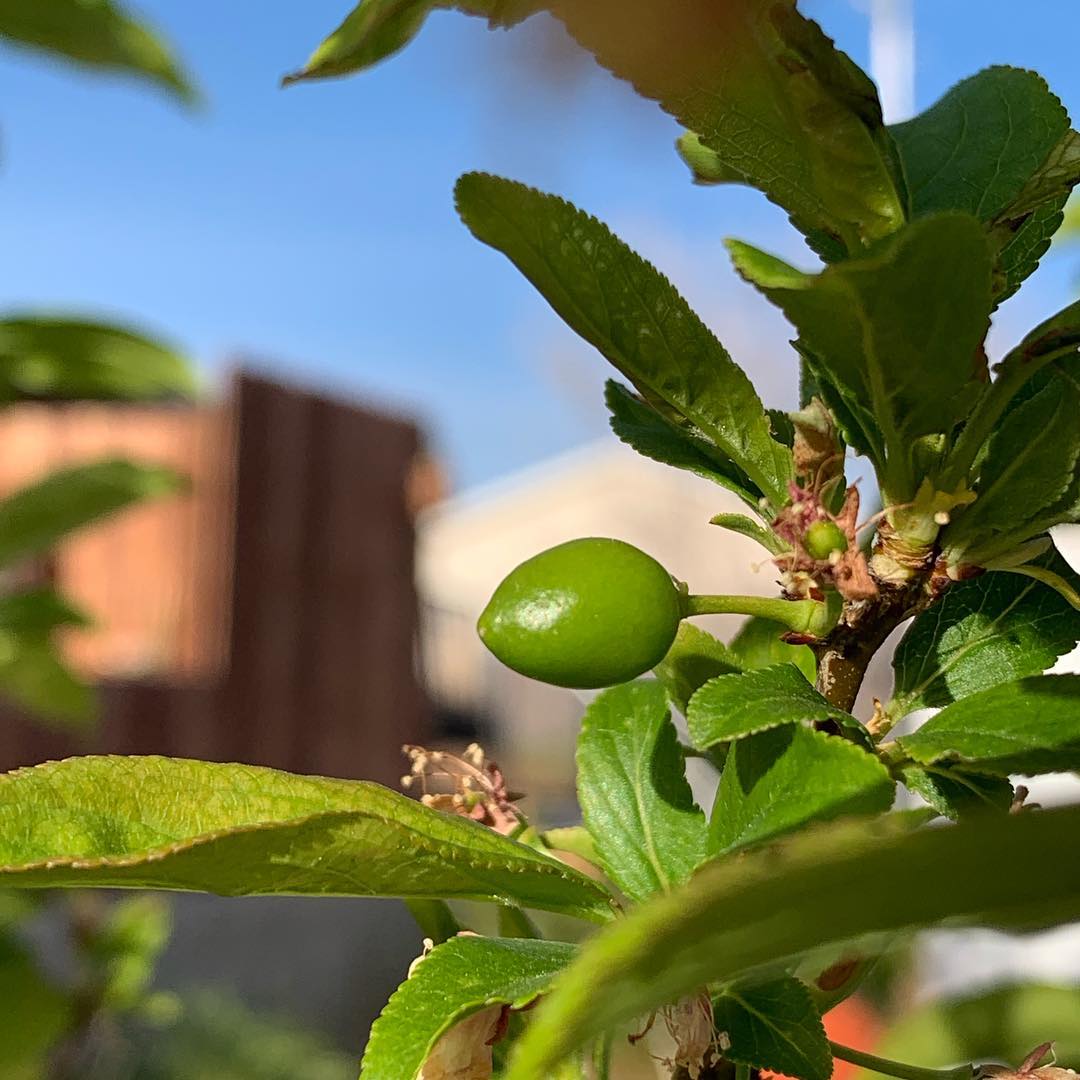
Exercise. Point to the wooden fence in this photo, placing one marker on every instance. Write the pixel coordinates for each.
(284, 581)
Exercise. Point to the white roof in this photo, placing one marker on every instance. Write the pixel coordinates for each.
(467, 544)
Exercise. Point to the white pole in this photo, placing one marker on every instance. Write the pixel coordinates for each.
(892, 56)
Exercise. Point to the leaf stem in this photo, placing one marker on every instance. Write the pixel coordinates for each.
(897, 1068)
(742, 1072)
(800, 616)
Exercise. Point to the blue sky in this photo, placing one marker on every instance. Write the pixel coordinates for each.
(311, 230)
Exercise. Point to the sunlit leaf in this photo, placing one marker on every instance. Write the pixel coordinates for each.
(165, 823)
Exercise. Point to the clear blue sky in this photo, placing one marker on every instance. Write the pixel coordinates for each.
(312, 229)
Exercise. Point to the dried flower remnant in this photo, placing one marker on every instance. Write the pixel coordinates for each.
(1028, 1069)
(805, 573)
(689, 1022)
(477, 788)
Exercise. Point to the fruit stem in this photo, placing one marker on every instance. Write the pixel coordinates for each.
(801, 616)
(898, 1068)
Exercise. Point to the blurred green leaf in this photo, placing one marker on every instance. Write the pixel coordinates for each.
(633, 792)
(993, 629)
(832, 884)
(166, 823)
(97, 33)
(218, 1037)
(1030, 726)
(455, 980)
(734, 706)
(376, 29)
(37, 517)
(38, 611)
(126, 949)
(52, 357)
(1003, 1024)
(33, 675)
(817, 148)
(34, 1015)
(631, 313)
(781, 779)
(32, 671)
(435, 919)
(774, 1025)
(758, 644)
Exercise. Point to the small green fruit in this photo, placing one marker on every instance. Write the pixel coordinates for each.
(587, 613)
(823, 538)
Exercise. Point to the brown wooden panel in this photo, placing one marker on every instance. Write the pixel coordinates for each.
(292, 562)
(324, 611)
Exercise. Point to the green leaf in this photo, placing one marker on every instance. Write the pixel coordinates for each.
(854, 420)
(69, 358)
(774, 104)
(451, 983)
(993, 629)
(166, 823)
(1059, 335)
(774, 1025)
(1030, 726)
(96, 33)
(781, 779)
(656, 437)
(976, 149)
(998, 146)
(758, 645)
(631, 313)
(918, 376)
(734, 706)
(1020, 255)
(633, 791)
(1022, 472)
(749, 528)
(694, 658)
(958, 794)
(737, 915)
(36, 517)
(1046, 354)
(575, 839)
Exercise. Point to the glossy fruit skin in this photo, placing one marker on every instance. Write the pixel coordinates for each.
(823, 538)
(584, 614)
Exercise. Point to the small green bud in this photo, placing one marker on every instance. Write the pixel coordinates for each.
(823, 538)
(585, 614)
